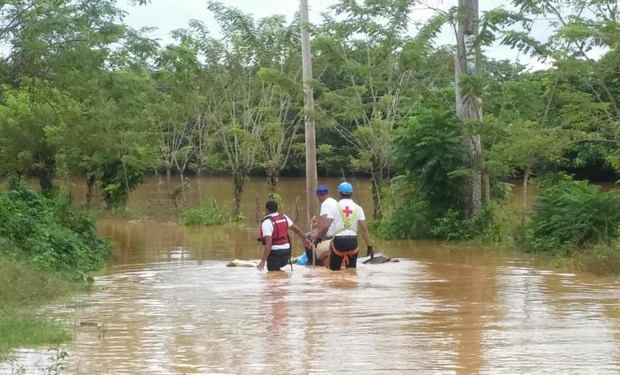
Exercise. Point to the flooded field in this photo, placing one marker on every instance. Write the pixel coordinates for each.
(169, 305)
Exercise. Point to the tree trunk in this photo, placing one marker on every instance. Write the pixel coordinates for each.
(90, 188)
(238, 181)
(486, 187)
(310, 135)
(182, 177)
(467, 60)
(46, 176)
(475, 183)
(272, 181)
(377, 180)
(168, 177)
(376, 200)
(526, 175)
(199, 179)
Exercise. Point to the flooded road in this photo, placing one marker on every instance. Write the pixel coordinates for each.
(168, 305)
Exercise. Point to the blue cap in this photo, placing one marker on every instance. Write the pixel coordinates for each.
(345, 188)
(321, 189)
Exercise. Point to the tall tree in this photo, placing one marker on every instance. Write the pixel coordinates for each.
(60, 44)
(364, 51)
(468, 102)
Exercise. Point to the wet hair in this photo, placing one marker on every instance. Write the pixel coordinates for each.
(271, 206)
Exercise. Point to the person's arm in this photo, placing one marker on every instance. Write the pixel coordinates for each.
(302, 235)
(366, 235)
(266, 252)
(324, 223)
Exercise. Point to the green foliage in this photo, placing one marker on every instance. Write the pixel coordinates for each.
(47, 233)
(452, 226)
(416, 219)
(412, 219)
(23, 288)
(429, 149)
(572, 214)
(29, 119)
(24, 332)
(210, 214)
(117, 179)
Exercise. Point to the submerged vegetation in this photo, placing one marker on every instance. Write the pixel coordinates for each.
(209, 214)
(570, 215)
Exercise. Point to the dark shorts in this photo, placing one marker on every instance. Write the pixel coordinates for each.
(278, 259)
(343, 243)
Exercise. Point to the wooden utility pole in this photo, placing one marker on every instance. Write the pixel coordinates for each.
(311, 173)
(469, 107)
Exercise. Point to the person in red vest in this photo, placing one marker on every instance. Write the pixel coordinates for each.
(273, 233)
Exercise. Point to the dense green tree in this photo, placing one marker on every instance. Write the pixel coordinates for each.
(362, 49)
(30, 123)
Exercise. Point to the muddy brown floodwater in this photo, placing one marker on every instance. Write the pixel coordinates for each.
(168, 305)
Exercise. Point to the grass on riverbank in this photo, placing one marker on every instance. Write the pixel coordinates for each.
(602, 259)
(22, 291)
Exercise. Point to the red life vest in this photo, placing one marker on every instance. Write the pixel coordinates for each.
(280, 230)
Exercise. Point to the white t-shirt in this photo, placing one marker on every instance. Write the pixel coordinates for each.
(329, 209)
(267, 227)
(351, 210)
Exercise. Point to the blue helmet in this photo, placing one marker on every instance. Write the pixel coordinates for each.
(321, 189)
(345, 188)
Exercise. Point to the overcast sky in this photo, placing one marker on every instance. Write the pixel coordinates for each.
(168, 15)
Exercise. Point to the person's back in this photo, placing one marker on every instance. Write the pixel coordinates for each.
(273, 233)
(329, 209)
(344, 247)
(348, 215)
(323, 227)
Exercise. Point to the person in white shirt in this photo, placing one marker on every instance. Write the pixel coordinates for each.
(324, 230)
(344, 219)
(273, 233)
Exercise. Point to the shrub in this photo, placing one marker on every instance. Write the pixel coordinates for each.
(602, 259)
(117, 177)
(429, 150)
(46, 232)
(410, 220)
(453, 226)
(572, 214)
(209, 214)
(415, 219)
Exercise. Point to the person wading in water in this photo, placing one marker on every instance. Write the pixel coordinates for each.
(324, 230)
(273, 233)
(343, 220)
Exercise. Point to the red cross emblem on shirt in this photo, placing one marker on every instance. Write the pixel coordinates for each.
(347, 211)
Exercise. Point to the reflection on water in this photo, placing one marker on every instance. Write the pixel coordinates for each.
(170, 306)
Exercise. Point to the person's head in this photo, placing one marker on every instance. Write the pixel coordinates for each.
(271, 207)
(321, 192)
(345, 189)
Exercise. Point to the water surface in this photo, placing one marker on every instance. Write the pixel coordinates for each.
(168, 305)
